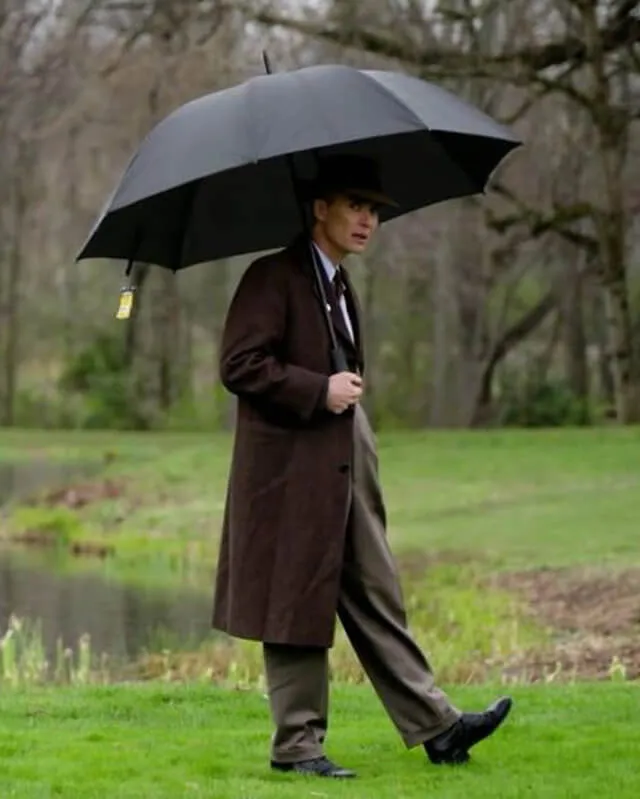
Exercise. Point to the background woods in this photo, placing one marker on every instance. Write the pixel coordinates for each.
(520, 307)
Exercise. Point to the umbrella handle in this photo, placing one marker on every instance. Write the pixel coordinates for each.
(338, 358)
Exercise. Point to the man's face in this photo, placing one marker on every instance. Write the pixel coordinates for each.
(347, 223)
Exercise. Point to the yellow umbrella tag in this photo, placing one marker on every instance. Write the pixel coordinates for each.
(126, 303)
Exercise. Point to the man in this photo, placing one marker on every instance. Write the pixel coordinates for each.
(304, 526)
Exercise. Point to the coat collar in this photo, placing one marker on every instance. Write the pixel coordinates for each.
(329, 267)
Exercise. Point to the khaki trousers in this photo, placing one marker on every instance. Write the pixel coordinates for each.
(372, 613)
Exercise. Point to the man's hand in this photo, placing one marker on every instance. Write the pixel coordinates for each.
(345, 389)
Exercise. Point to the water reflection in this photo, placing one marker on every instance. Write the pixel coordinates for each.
(121, 620)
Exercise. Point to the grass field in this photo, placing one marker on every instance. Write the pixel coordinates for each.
(521, 563)
(170, 742)
(522, 498)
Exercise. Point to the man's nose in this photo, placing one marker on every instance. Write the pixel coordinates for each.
(367, 218)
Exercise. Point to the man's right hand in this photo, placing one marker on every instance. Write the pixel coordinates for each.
(345, 389)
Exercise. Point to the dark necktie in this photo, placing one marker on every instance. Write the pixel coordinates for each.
(339, 286)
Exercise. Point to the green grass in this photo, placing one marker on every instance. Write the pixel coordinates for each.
(505, 499)
(168, 742)
(502, 499)
(519, 498)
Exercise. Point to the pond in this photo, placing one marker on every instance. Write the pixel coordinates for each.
(122, 620)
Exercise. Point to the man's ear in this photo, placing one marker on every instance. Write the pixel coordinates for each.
(320, 210)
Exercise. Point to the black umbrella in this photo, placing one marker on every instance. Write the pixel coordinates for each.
(216, 177)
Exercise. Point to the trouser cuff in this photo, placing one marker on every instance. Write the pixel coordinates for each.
(422, 736)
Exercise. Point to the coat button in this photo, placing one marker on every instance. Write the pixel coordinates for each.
(343, 468)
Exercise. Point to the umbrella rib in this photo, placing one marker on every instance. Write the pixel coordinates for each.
(400, 103)
(425, 128)
(192, 193)
(311, 89)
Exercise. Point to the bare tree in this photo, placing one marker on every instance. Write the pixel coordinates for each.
(457, 297)
(512, 57)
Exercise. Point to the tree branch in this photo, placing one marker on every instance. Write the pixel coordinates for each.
(539, 223)
(618, 32)
(506, 342)
(522, 328)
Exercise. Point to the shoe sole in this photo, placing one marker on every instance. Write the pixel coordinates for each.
(458, 757)
(290, 768)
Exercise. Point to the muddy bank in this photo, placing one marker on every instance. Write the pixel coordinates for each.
(593, 617)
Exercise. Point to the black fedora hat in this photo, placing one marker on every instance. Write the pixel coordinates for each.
(353, 175)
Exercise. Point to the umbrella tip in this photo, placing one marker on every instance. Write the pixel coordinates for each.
(267, 62)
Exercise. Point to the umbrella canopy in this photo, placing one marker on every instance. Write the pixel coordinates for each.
(213, 179)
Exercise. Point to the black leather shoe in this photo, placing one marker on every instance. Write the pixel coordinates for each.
(317, 767)
(452, 747)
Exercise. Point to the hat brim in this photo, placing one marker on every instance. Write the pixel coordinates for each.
(310, 189)
(369, 194)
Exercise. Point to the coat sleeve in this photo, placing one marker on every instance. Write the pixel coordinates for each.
(252, 340)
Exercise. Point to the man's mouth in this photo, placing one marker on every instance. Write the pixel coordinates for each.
(361, 237)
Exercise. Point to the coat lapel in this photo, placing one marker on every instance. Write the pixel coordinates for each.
(355, 315)
(336, 314)
(301, 254)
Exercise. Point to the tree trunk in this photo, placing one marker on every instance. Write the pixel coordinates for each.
(440, 406)
(369, 335)
(573, 331)
(14, 263)
(510, 339)
(69, 282)
(410, 333)
(611, 224)
(12, 336)
(612, 128)
(167, 329)
(219, 300)
(605, 390)
(611, 231)
(619, 342)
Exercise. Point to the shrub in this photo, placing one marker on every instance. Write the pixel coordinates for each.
(544, 404)
(101, 374)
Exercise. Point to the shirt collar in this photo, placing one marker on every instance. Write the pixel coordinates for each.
(329, 266)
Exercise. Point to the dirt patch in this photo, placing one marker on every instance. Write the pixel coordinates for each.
(593, 616)
(415, 564)
(43, 539)
(78, 495)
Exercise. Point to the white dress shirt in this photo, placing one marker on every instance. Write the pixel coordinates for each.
(330, 269)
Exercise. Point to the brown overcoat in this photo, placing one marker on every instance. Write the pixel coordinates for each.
(288, 495)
